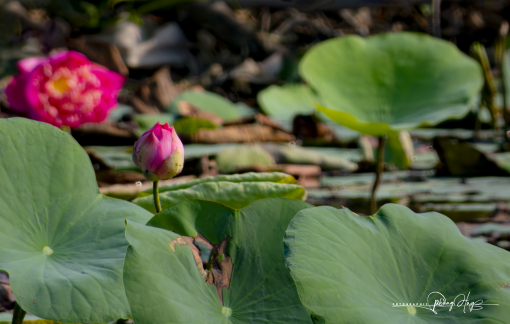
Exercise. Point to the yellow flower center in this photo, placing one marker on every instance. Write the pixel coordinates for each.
(61, 84)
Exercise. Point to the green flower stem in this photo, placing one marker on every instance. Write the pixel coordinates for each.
(156, 197)
(379, 172)
(19, 314)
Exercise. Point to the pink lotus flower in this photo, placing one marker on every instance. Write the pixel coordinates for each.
(65, 89)
(159, 153)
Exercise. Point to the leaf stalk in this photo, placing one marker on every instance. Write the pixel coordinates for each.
(378, 174)
(18, 315)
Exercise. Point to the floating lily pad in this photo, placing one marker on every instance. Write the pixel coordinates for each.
(428, 134)
(284, 103)
(121, 111)
(361, 179)
(459, 212)
(489, 228)
(147, 121)
(244, 156)
(285, 154)
(391, 82)
(194, 151)
(351, 269)
(350, 154)
(118, 158)
(213, 103)
(419, 190)
(191, 125)
(258, 289)
(61, 241)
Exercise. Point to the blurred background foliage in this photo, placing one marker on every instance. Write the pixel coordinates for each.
(227, 75)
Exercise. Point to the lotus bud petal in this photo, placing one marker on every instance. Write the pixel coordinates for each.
(159, 153)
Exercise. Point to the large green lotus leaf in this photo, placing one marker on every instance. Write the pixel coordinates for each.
(285, 102)
(235, 191)
(232, 194)
(162, 280)
(276, 177)
(351, 269)
(61, 241)
(391, 82)
(165, 286)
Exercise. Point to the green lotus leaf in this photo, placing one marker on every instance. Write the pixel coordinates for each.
(276, 177)
(233, 159)
(119, 158)
(232, 194)
(285, 102)
(213, 103)
(190, 125)
(285, 154)
(196, 151)
(61, 241)
(147, 121)
(391, 82)
(164, 284)
(352, 269)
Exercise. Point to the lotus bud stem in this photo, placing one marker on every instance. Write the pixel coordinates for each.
(155, 190)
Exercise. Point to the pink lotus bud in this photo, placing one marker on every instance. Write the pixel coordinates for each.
(159, 153)
(65, 89)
